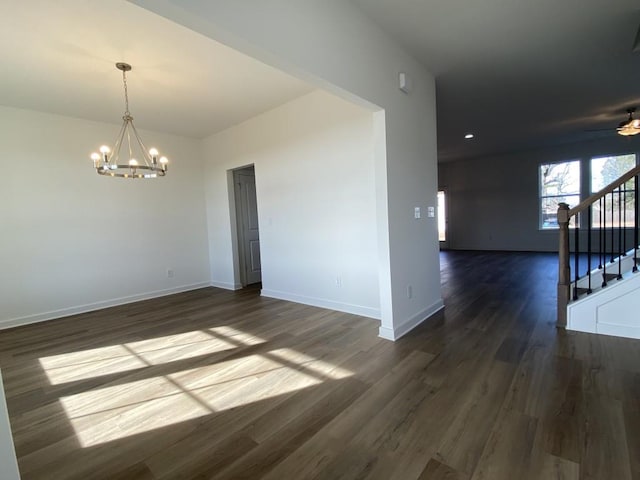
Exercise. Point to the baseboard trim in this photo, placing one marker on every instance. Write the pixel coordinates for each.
(90, 307)
(405, 327)
(323, 303)
(226, 285)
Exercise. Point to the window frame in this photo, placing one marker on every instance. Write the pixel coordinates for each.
(541, 197)
(590, 178)
(598, 157)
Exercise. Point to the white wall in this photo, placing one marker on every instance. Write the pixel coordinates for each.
(315, 185)
(72, 240)
(334, 45)
(493, 201)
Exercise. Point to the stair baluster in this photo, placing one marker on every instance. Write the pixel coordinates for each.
(601, 239)
(613, 214)
(624, 221)
(620, 232)
(576, 258)
(604, 228)
(636, 224)
(589, 220)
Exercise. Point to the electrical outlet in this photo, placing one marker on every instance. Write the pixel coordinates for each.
(338, 281)
(409, 291)
(170, 272)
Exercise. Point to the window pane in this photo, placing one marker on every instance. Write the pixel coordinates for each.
(605, 170)
(560, 179)
(603, 215)
(559, 183)
(549, 209)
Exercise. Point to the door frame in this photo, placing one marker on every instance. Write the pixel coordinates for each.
(237, 231)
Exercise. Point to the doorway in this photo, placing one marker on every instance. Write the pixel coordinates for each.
(244, 183)
(443, 235)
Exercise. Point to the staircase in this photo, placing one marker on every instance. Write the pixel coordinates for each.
(598, 280)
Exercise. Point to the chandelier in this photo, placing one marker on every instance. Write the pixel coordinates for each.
(110, 162)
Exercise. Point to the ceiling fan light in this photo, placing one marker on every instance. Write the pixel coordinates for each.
(628, 130)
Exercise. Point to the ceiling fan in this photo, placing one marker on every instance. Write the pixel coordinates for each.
(631, 126)
(627, 128)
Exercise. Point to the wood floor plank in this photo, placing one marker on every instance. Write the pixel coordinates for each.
(604, 441)
(139, 471)
(507, 453)
(554, 468)
(328, 446)
(463, 442)
(287, 437)
(436, 470)
(632, 432)
(631, 412)
(561, 419)
(202, 460)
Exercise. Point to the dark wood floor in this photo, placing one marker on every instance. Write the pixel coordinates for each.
(219, 384)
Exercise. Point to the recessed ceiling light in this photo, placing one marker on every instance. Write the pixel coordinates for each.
(468, 136)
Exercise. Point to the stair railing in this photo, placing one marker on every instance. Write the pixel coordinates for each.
(611, 204)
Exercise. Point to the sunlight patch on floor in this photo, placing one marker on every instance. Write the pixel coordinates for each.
(74, 366)
(82, 365)
(234, 335)
(314, 365)
(117, 412)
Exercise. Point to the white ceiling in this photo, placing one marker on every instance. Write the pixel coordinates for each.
(59, 56)
(516, 73)
(520, 73)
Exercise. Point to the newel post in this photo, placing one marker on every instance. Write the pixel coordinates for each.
(564, 273)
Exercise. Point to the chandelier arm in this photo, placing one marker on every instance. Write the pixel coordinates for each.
(143, 148)
(129, 143)
(115, 154)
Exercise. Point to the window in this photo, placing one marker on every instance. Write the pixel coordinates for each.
(559, 183)
(605, 170)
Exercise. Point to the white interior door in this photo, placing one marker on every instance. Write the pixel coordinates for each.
(248, 232)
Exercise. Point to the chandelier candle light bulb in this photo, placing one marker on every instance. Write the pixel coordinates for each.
(96, 159)
(154, 155)
(111, 164)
